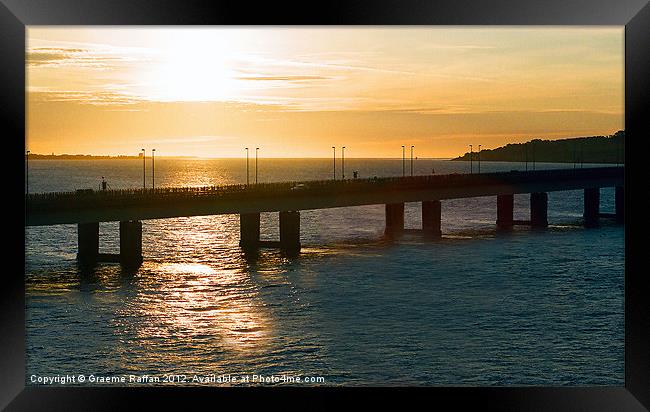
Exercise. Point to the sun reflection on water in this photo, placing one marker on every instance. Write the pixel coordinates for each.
(198, 303)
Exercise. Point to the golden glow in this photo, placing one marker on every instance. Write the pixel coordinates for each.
(210, 92)
(190, 68)
(195, 268)
(201, 302)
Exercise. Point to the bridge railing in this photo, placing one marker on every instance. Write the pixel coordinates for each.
(124, 197)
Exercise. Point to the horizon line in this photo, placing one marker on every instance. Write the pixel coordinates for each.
(136, 157)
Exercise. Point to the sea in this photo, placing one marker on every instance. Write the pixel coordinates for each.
(479, 307)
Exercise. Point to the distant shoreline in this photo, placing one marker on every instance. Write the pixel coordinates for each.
(121, 157)
(93, 157)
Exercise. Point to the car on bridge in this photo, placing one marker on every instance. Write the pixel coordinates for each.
(299, 186)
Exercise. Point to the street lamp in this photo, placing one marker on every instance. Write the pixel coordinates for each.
(153, 169)
(533, 148)
(256, 149)
(246, 166)
(343, 162)
(412, 160)
(479, 159)
(471, 155)
(334, 170)
(403, 162)
(27, 171)
(144, 178)
(526, 155)
(574, 154)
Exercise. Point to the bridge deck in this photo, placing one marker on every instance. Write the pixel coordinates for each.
(139, 204)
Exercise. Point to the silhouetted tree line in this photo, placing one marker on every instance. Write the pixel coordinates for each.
(593, 149)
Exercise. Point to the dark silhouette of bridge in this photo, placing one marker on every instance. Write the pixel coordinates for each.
(87, 208)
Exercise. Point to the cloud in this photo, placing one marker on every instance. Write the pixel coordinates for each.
(458, 47)
(191, 139)
(285, 78)
(60, 56)
(50, 56)
(97, 98)
(256, 60)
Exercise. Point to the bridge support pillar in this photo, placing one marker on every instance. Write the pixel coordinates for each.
(619, 202)
(88, 242)
(431, 217)
(505, 208)
(539, 209)
(249, 230)
(131, 243)
(592, 206)
(394, 218)
(290, 232)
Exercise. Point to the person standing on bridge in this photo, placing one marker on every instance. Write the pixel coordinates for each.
(103, 183)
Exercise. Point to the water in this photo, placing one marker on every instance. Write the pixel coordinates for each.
(477, 308)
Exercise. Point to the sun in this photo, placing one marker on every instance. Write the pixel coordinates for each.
(192, 67)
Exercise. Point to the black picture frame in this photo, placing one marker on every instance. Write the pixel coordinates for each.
(15, 15)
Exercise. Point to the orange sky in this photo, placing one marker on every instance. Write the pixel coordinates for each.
(296, 92)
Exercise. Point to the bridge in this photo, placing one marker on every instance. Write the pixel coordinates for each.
(87, 208)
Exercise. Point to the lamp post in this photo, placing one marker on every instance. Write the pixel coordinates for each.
(526, 155)
(343, 162)
(479, 159)
(412, 160)
(403, 162)
(144, 177)
(256, 149)
(532, 144)
(334, 163)
(27, 172)
(153, 169)
(471, 155)
(246, 166)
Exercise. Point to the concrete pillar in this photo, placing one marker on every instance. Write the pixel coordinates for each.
(619, 201)
(539, 209)
(131, 243)
(88, 242)
(249, 230)
(394, 218)
(431, 216)
(592, 206)
(290, 232)
(505, 208)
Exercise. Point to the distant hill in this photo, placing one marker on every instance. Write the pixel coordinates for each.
(594, 149)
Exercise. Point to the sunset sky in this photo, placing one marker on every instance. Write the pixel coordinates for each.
(296, 92)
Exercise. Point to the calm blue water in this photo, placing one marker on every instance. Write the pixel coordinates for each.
(476, 308)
